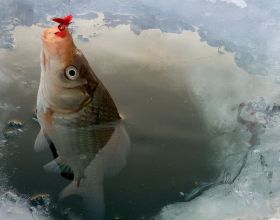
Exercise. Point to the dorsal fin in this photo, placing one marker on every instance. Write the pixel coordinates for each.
(41, 142)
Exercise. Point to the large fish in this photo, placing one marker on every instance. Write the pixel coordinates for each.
(78, 118)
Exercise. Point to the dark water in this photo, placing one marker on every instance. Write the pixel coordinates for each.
(170, 154)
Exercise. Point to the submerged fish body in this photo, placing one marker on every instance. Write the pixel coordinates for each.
(78, 118)
(89, 164)
(107, 162)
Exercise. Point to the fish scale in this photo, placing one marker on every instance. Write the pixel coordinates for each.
(79, 145)
(79, 120)
(99, 111)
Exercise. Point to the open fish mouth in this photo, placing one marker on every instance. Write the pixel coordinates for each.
(55, 46)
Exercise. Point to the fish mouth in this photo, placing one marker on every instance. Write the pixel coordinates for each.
(56, 46)
(49, 35)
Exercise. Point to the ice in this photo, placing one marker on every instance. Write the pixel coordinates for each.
(240, 112)
(238, 3)
(247, 137)
(8, 107)
(14, 207)
(4, 78)
(255, 194)
(257, 52)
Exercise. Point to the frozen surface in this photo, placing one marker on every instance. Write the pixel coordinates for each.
(14, 207)
(229, 64)
(255, 194)
(238, 3)
(241, 113)
(222, 23)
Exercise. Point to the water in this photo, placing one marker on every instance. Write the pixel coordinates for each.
(169, 153)
(178, 86)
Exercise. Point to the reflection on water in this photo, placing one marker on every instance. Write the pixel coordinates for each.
(192, 114)
(179, 98)
(143, 73)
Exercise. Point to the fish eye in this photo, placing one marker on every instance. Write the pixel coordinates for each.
(71, 73)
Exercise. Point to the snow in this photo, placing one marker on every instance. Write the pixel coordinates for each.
(14, 207)
(238, 3)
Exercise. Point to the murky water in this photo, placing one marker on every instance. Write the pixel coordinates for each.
(169, 155)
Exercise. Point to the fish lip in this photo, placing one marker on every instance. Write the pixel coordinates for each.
(48, 35)
(44, 34)
(54, 45)
(47, 32)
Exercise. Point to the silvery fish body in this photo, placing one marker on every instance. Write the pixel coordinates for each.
(90, 163)
(78, 118)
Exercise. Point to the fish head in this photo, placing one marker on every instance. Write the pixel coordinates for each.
(67, 80)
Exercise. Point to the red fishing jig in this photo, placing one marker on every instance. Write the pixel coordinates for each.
(63, 23)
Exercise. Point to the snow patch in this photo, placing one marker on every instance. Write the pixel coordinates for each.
(254, 195)
(238, 3)
(14, 207)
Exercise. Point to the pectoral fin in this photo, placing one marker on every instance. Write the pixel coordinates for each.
(116, 151)
(71, 189)
(57, 166)
(93, 197)
(41, 142)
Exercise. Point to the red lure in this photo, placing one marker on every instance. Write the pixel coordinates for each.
(63, 22)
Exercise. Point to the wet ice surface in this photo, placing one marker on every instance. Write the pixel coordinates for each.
(203, 129)
(247, 189)
(246, 134)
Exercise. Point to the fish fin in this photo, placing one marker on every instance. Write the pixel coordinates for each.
(86, 189)
(48, 118)
(53, 166)
(92, 194)
(117, 149)
(57, 166)
(71, 189)
(41, 142)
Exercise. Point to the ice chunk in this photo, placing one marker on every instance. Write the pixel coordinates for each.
(14, 207)
(254, 194)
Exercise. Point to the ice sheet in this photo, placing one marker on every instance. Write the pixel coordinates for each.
(241, 114)
(255, 194)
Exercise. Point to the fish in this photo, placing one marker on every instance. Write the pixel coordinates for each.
(109, 161)
(79, 120)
